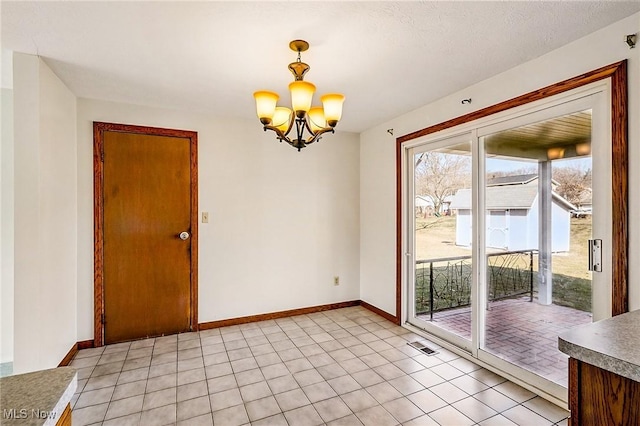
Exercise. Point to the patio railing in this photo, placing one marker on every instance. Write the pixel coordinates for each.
(445, 283)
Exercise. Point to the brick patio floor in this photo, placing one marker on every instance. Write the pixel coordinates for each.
(521, 332)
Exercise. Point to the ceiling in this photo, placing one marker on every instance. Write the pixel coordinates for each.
(388, 58)
(567, 136)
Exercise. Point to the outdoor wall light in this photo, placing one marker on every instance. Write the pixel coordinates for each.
(555, 153)
(315, 120)
(583, 148)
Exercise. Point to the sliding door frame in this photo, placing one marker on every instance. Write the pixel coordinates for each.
(455, 139)
(617, 73)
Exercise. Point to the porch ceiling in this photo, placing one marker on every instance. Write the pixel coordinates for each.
(569, 136)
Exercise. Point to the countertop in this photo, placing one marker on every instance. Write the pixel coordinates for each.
(612, 344)
(37, 398)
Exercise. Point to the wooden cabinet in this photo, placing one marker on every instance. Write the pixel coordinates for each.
(599, 397)
(65, 418)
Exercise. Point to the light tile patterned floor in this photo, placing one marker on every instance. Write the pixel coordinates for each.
(522, 332)
(341, 367)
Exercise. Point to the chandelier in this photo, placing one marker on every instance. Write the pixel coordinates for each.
(315, 120)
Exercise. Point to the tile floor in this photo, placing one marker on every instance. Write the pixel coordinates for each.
(343, 367)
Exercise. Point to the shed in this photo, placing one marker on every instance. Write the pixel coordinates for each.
(512, 215)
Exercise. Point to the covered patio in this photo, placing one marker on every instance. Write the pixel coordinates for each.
(520, 331)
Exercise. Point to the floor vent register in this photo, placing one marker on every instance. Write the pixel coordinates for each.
(422, 348)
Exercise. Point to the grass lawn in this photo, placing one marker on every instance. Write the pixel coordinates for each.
(436, 236)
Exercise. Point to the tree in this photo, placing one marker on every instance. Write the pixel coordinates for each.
(572, 182)
(528, 170)
(439, 175)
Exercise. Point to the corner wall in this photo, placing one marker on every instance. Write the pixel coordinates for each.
(6, 207)
(6, 227)
(45, 320)
(378, 162)
(281, 225)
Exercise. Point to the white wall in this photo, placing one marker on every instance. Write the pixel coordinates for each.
(6, 227)
(518, 229)
(281, 225)
(533, 221)
(377, 149)
(560, 228)
(463, 228)
(45, 216)
(6, 207)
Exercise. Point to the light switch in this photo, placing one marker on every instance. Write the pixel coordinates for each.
(205, 217)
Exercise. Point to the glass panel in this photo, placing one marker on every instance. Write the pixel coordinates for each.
(443, 263)
(537, 196)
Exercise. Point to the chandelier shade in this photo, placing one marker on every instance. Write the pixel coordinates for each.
(332, 104)
(301, 96)
(266, 105)
(307, 119)
(281, 118)
(316, 119)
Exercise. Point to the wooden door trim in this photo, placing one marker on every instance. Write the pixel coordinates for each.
(98, 216)
(617, 72)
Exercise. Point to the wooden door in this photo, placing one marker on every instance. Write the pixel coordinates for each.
(147, 200)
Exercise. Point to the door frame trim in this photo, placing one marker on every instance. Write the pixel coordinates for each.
(617, 72)
(98, 216)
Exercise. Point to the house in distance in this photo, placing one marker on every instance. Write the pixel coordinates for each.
(512, 211)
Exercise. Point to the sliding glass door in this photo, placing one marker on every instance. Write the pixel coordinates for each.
(499, 222)
(441, 256)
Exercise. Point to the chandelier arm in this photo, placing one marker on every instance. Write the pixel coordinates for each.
(291, 120)
(307, 125)
(316, 136)
(290, 142)
(300, 126)
(299, 142)
(281, 135)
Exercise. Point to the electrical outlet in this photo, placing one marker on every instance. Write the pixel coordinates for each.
(205, 217)
(336, 280)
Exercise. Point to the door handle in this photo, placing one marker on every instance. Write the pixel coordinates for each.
(184, 235)
(595, 255)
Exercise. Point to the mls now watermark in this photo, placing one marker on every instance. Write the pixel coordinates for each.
(23, 413)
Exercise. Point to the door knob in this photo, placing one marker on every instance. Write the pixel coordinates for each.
(184, 235)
